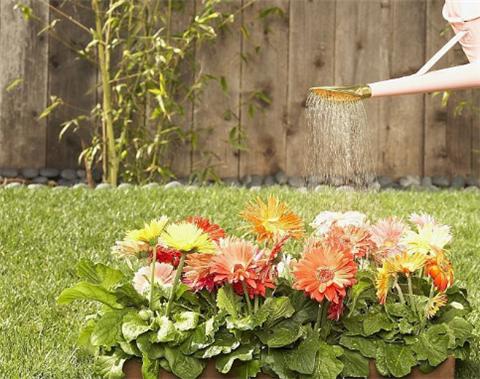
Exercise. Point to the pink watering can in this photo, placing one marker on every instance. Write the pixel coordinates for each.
(464, 17)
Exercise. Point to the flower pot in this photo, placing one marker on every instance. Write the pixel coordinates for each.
(444, 371)
(133, 370)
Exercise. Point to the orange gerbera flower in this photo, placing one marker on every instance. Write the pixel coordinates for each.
(197, 274)
(439, 268)
(214, 231)
(234, 262)
(273, 219)
(325, 272)
(435, 303)
(406, 263)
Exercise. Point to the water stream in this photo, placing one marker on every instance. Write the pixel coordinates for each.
(339, 149)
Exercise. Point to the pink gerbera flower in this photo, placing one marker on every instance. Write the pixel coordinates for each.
(422, 219)
(387, 234)
(164, 274)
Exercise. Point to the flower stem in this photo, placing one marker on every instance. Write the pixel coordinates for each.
(255, 304)
(400, 293)
(152, 277)
(247, 298)
(319, 317)
(324, 326)
(175, 283)
(410, 295)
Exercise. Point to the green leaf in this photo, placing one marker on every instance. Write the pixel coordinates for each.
(224, 343)
(110, 366)
(249, 369)
(359, 290)
(133, 326)
(276, 308)
(328, 365)
(282, 334)
(225, 362)
(367, 347)
(399, 359)
(150, 368)
(183, 366)
(228, 301)
(376, 321)
(305, 309)
(84, 337)
(148, 348)
(277, 362)
(400, 310)
(128, 296)
(355, 365)
(186, 320)
(107, 329)
(461, 330)
(88, 291)
(354, 324)
(202, 336)
(433, 344)
(302, 358)
(166, 331)
(381, 359)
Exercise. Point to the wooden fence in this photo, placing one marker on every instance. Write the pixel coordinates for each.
(316, 42)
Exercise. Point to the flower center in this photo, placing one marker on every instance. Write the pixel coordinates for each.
(324, 275)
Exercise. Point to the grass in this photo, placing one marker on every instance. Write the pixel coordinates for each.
(43, 233)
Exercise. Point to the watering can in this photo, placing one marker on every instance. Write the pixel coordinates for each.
(464, 18)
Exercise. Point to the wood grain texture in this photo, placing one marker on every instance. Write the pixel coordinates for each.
(71, 78)
(403, 143)
(265, 130)
(435, 152)
(311, 63)
(24, 57)
(220, 58)
(362, 55)
(476, 134)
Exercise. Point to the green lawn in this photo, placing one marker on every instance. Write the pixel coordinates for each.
(43, 233)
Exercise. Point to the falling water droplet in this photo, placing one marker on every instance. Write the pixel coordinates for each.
(339, 150)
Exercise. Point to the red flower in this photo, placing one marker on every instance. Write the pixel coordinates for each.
(335, 310)
(197, 272)
(214, 231)
(167, 255)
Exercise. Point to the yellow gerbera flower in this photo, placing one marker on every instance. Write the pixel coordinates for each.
(406, 263)
(187, 238)
(149, 233)
(434, 304)
(272, 219)
(383, 283)
(429, 239)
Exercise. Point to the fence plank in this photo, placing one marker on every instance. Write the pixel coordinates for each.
(362, 52)
(311, 63)
(181, 163)
(403, 154)
(24, 57)
(72, 79)
(221, 59)
(435, 156)
(267, 42)
(476, 134)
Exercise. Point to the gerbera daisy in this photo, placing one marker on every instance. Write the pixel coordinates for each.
(335, 310)
(439, 268)
(272, 220)
(421, 219)
(434, 304)
(150, 231)
(187, 238)
(167, 255)
(324, 220)
(130, 248)
(355, 239)
(197, 274)
(382, 283)
(234, 262)
(164, 274)
(429, 239)
(214, 231)
(406, 263)
(325, 272)
(386, 234)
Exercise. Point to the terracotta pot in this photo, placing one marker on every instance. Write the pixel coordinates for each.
(133, 370)
(444, 371)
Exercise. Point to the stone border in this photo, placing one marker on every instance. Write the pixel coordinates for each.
(54, 178)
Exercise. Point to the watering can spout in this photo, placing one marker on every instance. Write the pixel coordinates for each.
(464, 17)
